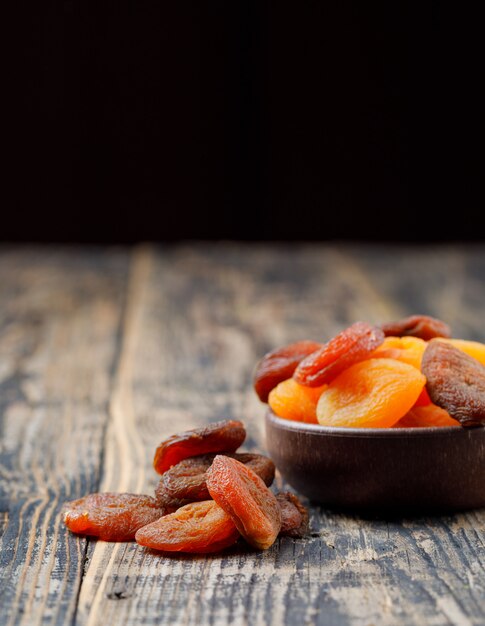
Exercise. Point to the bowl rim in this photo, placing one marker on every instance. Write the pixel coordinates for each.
(342, 431)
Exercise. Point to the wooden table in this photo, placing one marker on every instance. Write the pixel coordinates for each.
(106, 351)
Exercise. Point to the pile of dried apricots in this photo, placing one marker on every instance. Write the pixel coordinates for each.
(208, 497)
(404, 374)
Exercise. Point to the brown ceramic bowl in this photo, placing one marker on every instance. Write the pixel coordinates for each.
(381, 468)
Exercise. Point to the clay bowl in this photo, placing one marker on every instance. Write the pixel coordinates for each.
(405, 469)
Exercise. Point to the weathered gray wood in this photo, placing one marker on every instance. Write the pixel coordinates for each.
(195, 321)
(60, 314)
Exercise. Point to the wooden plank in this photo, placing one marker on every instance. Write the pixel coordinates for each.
(198, 317)
(60, 313)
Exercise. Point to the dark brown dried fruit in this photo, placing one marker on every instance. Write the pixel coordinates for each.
(200, 527)
(455, 382)
(111, 516)
(186, 481)
(422, 326)
(294, 516)
(352, 345)
(244, 496)
(279, 365)
(166, 501)
(261, 465)
(223, 436)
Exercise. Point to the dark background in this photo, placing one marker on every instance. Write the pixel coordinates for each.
(156, 120)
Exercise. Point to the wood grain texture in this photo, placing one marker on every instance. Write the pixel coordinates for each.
(176, 352)
(59, 319)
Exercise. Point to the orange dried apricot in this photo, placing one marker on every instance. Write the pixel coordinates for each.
(372, 394)
(455, 382)
(406, 349)
(426, 416)
(352, 345)
(111, 516)
(279, 365)
(223, 436)
(295, 402)
(244, 496)
(423, 398)
(422, 326)
(199, 527)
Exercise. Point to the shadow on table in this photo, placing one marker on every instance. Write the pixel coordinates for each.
(393, 514)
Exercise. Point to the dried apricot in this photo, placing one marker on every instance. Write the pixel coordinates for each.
(423, 398)
(426, 416)
(261, 465)
(373, 394)
(472, 348)
(294, 516)
(279, 365)
(406, 349)
(111, 516)
(187, 480)
(244, 496)
(455, 382)
(422, 326)
(223, 436)
(198, 527)
(293, 401)
(166, 501)
(352, 345)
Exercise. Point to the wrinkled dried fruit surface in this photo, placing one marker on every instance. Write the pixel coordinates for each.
(425, 417)
(166, 501)
(455, 382)
(293, 401)
(111, 516)
(223, 436)
(372, 394)
(261, 465)
(472, 348)
(200, 527)
(422, 326)
(279, 365)
(294, 516)
(244, 496)
(186, 481)
(406, 349)
(352, 345)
